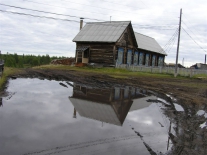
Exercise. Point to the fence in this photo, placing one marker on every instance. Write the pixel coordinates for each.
(166, 70)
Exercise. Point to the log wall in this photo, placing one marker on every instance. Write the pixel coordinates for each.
(100, 52)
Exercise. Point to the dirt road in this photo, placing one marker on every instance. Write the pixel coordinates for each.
(185, 90)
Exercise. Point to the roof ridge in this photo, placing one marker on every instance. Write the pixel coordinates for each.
(108, 22)
(144, 35)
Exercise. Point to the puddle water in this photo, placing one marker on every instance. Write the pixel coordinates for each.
(51, 117)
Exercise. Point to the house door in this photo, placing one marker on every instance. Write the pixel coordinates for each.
(120, 55)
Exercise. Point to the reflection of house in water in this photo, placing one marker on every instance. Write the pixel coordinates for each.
(109, 105)
(1, 102)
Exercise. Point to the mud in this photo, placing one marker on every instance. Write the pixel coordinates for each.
(186, 91)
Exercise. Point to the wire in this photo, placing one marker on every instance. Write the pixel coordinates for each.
(190, 30)
(74, 9)
(173, 42)
(48, 12)
(121, 4)
(170, 41)
(94, 6)
(153, 28)
(39, 16)
(104, 1)
(156, 25)
(190, 22)
(193, 39)
(100, 23)
(65, 7)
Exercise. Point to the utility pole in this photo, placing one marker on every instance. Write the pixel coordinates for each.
(176, 64)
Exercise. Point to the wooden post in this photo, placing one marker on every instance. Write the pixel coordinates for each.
(125, 55)
(74, 113)
(114, 54)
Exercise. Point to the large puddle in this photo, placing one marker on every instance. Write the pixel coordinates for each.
(56, 117)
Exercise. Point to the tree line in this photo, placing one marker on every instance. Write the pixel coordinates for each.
(22, 61)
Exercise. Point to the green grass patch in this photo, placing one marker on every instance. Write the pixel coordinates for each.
(200, 76)
(8, 71)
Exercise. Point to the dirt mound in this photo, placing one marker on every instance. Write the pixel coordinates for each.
(67, 61)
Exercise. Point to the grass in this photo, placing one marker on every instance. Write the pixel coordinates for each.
(8, 71)
(200, 76)
(113, 72)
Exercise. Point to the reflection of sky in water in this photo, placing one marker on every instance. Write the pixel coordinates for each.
(39, 116)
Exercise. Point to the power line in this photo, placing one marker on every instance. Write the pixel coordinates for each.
(72, 8)
(39, 16)
(47, 12)
(121, 4)
(153, 28)
(194, 40)
(191, 22)
(170, 44)
(170, 41)
(93, 6)
(64, 7)
(100, 23)
(173, 42)
(156, 25)
(190, 30)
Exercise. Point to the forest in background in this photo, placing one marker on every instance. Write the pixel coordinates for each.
(24, 61)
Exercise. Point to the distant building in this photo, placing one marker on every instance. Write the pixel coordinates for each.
(199, 66)
(115, 42)
(173, 65)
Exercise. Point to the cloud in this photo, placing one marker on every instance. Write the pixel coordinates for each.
(26, 34)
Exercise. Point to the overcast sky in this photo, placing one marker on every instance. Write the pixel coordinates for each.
(158, 19)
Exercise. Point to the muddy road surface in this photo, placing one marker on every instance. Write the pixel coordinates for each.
(185, 90)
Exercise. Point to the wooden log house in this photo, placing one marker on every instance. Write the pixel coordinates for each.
(111, 43)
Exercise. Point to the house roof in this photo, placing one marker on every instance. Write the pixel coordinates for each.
(141, 103)
(96, 111)
(147, 43)
(101, 31)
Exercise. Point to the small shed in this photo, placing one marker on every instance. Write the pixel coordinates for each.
(115, 42)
